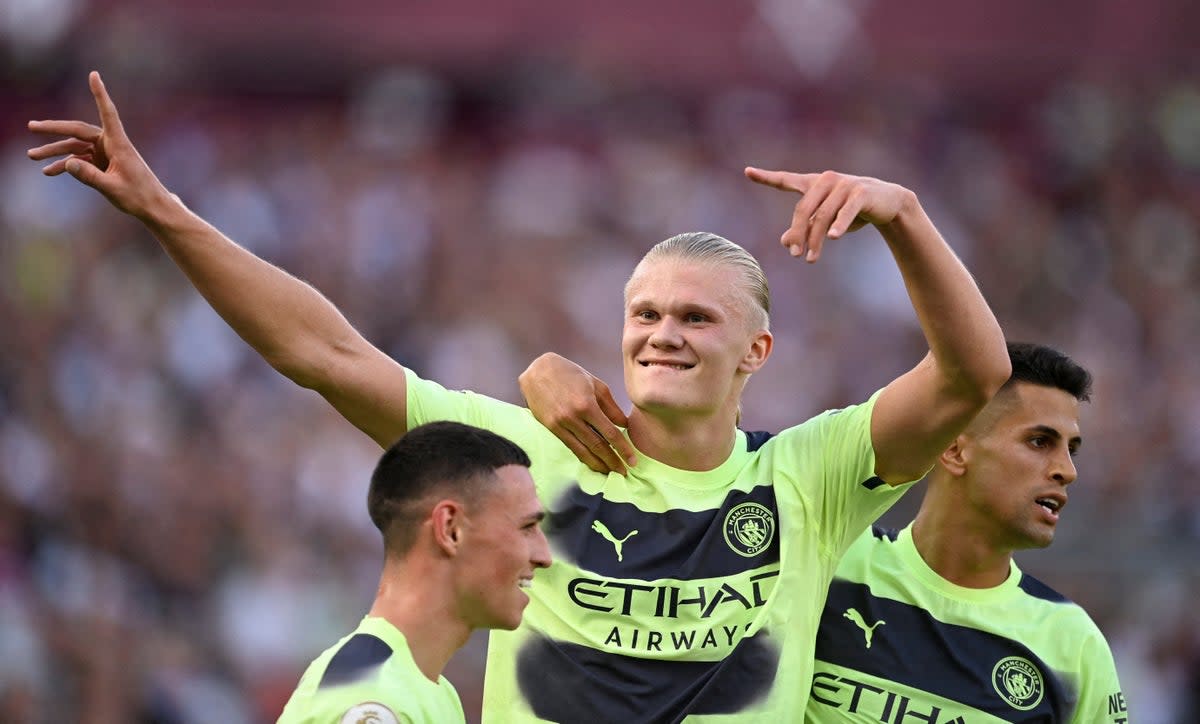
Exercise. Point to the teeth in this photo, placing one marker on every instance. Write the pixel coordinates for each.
(525, 583)
(1050, 505)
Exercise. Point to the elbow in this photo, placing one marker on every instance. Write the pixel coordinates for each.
(981, 386)
(997, 376)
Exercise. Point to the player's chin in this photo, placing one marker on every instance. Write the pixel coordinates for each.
(512, 617)
(510, 623)
(1041, 538)
(667, 402)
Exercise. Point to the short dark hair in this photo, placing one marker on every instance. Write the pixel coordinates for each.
(1045, 366)
(447, 456)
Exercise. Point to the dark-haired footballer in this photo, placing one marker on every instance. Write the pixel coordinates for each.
(935, 622)
(460, 524)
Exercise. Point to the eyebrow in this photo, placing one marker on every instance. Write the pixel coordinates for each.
(710, 310)
(704, 309)
(1054, 433)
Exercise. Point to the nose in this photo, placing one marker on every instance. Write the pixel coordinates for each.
(666, 334)
(539, 556)
(1064, 469)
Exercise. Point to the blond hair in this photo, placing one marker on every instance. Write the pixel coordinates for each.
(707, 247)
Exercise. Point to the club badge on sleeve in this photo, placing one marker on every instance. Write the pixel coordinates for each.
(371, 712)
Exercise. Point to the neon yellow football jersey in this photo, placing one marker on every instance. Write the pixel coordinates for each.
(676, 595)
(370, 676)
(899, 643)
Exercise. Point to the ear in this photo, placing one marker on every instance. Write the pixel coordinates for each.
(756, 356)
(954, 458)
(447, 518)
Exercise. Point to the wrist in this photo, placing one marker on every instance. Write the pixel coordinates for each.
(909, 217)
(163, 210)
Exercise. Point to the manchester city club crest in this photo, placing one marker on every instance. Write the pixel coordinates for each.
(1018, 682)
(749, 528)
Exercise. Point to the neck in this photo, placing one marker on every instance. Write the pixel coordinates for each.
(687, 443)
(423, 613)
(957, 550)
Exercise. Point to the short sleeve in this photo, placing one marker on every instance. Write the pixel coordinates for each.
(836, 460)
(1100, 695)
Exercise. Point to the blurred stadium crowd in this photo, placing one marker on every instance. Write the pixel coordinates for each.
(181, 530)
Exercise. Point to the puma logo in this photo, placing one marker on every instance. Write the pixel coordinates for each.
(608, 536)
(856, 617)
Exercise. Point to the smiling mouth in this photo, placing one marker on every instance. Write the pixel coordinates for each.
(668, 365)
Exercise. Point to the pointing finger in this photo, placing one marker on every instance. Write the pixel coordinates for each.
(109, 117)
(783, 180)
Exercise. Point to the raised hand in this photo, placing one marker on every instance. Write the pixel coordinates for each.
(100, 156)
(831, 205)
(580, 410)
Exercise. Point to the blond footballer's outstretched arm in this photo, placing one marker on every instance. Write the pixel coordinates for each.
(923, 410)
(299, 332)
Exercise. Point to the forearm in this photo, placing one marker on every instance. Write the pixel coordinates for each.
(287, 321)
(920, 412)
(965, 340)
(284, 319)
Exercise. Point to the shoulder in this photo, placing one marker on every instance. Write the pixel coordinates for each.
(831, 449)
(1039, 590)
(868, 551)
(1063, 614)
(366, 679)
(431, 398)
(830, 426)
(359, 657)
(756, 439)
(429, 401)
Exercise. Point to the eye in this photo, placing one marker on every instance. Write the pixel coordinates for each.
(695, 318)
(1039, 441)
(646, 315)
